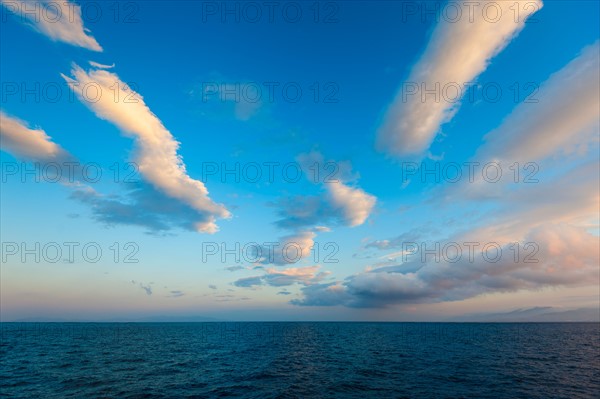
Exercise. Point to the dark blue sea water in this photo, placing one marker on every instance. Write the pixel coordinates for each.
(299, 360)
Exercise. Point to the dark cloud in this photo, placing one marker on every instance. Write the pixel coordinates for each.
(147, 288)
(248, 282)
(140, 205)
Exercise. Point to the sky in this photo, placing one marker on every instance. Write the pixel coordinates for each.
(381, 160)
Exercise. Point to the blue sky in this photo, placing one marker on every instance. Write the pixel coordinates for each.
(173, 94)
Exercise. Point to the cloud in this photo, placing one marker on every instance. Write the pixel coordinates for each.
(555, 215)
(32, 144)
(567, 256)
(146, 288)
(330, 294)
(565, 122)
(212, 286)
(280, 278)
(565, 117)
(175, 294)
(35, 146)
(396, 242)
(234, 268)
(248, 282)
(457, 53)
(301, 275)
(156, 149)
(141, 204)
(245, 96)
(58, 20)
(353, 204)
(101, 66)
(342, 204)
(288, 249)
(305, 215)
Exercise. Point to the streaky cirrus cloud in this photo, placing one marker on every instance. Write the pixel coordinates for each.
(457, 53)
(565, 122)
(565, 117)
(58, 20)
(156, 148)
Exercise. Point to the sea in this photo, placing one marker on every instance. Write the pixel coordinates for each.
(300, 360)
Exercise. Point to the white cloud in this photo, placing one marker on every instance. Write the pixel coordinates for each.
(354, 204)
(457, 53)
(59, 20)
(156, 149)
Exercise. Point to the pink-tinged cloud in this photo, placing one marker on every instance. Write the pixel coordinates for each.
(560, 256)
(32, 144)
